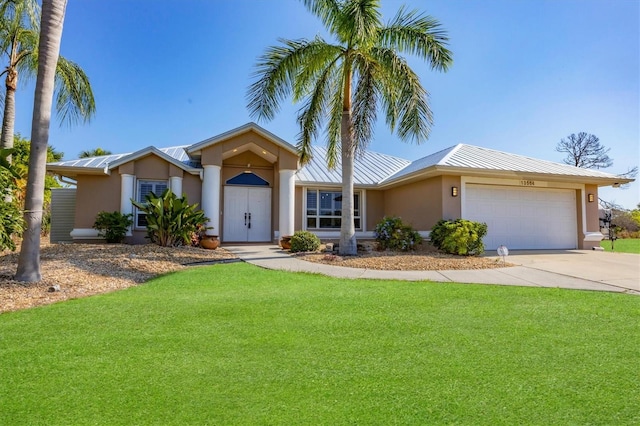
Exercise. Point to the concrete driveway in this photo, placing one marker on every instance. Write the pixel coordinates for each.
(615, 269)
(572, 269)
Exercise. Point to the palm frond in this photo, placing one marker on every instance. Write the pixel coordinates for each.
(405, 101)
(365, 102)
(312, 114)
(360, 21)
(327, 10)
(276, 73)
(74, 99)
(420, 35)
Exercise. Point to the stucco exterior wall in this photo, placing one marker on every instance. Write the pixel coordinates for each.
(152, 167)
(592, 217)
(299, 211)
(374, 208)
(451, 206)
(418, 204)
(95, 194)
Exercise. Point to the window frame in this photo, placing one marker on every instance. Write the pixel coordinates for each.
(137, 214)
(358, 213)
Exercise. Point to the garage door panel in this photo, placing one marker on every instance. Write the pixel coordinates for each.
(524, 218)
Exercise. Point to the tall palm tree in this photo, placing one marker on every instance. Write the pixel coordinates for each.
(97, 152)
(19, 33)
(344, 83)
(49, 48)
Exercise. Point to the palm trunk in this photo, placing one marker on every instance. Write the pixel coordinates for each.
(49, 48)
(348, 243)
(9, 118)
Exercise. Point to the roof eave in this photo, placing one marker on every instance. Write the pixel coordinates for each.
(438, 170)
(251, 126)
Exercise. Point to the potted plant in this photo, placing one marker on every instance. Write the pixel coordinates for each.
(285, 242)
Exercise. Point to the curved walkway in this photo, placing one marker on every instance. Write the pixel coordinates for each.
(572, 269)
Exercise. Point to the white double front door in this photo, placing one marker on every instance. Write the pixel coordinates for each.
(247, 214)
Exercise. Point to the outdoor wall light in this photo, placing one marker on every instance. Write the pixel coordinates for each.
(591, 198)
(454, 191)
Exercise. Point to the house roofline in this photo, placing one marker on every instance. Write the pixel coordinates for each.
(251, 126)
(152, 150)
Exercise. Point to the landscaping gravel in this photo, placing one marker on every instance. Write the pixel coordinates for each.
(70, 271)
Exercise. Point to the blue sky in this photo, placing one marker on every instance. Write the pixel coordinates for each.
(526, 74)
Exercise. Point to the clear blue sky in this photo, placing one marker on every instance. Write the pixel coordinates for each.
(526, 74)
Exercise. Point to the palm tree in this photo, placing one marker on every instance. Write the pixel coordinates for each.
(344, 84)
(19, 33)
(49, 48)
(97, 152)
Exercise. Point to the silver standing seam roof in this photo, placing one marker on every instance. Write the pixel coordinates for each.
(373, 168)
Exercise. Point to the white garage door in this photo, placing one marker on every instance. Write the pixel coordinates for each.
(524, 218)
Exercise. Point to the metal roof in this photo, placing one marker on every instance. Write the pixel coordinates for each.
(478, 158)
(370, 168)
(176, 152)
(373, 168)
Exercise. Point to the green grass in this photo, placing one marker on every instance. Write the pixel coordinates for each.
(627, 245)
(235, 344)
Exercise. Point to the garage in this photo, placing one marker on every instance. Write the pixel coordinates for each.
(524, 218)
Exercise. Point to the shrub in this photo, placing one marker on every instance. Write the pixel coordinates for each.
(113, 226)
(462, 237)
(171, 220)
(11, 224)
(304, 241)
(392, 233)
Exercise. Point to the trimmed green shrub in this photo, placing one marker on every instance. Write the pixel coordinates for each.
(171, 220)
(462, 237)
(113, 226)
(304, 241)
(391, 233)
(11, 224)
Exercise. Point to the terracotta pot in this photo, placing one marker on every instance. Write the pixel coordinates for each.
(285, 243)
(210, 242)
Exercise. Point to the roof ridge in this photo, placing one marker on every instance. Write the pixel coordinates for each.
(453, 150)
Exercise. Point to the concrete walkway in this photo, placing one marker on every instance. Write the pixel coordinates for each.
(573, 269)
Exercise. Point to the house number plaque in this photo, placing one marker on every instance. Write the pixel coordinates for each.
(527, 183)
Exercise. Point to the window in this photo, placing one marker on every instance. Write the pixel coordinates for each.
(324, 209)
(145, 187)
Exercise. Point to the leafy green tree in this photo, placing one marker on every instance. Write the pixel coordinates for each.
(97, 152)
(49, 48)
(21, 154)
(19, 35)
(343, 83)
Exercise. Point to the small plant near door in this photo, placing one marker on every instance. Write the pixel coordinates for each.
(304, 241)
(171, 220)
(113, 226)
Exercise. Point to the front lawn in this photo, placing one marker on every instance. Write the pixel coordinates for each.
(236, 344)
(627, 245)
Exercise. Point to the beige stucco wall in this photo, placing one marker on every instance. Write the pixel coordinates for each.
(152, 167)
(374, 208)
(419, 203)
(95, 194)
(592, 217)
(299, 211)
(451, 206)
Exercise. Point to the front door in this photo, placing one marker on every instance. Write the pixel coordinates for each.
(247, 214)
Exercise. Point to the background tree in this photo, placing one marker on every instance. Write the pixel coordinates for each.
(49, 48)
(344, 83)
(97, 152)
(584, 150)
(22, 152)
(19, 34)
